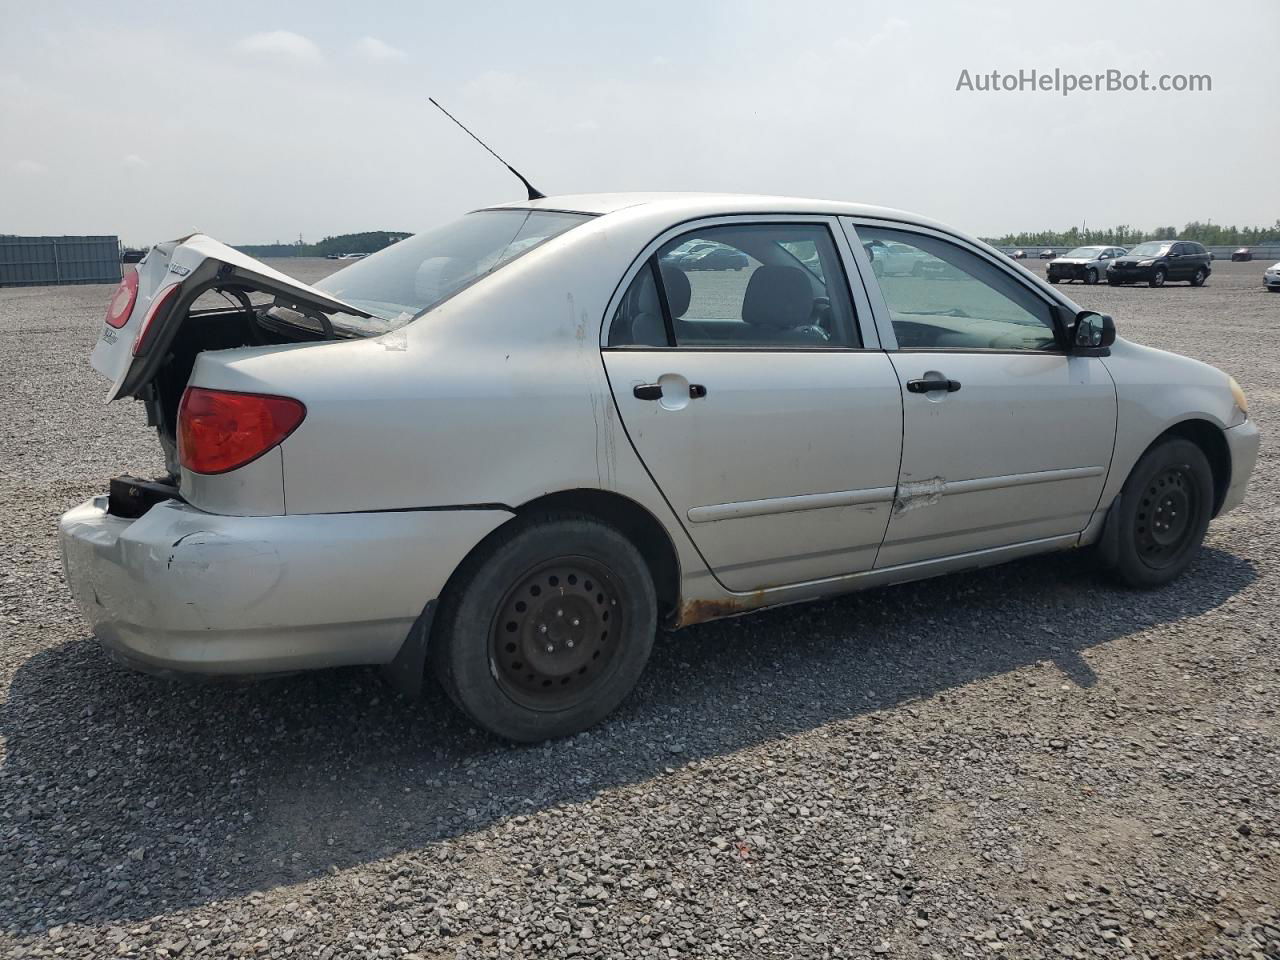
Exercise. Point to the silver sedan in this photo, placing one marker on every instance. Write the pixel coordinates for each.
(504, 452)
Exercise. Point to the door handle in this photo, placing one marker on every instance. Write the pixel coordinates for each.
(653, 391)
(926, 386)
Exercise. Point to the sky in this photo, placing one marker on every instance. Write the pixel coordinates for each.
(261, 121)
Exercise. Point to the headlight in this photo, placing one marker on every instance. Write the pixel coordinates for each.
(1242, 403)
(1145, 263)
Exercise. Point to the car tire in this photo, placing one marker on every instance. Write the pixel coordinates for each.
(1199, 278)
(1165, 508)
(1053, 279)
(1091, 276)
(566, 581)
(1157, 279)
(1113, 283)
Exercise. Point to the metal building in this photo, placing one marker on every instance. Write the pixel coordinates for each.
(33, 261)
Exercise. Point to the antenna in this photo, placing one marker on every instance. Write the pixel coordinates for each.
(534, 193)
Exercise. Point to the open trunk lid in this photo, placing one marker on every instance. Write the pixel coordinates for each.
(134, 338)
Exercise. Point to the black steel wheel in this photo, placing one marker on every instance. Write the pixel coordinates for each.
(546, 626)
(1165, 514)
(549, 642)
(1164, 510)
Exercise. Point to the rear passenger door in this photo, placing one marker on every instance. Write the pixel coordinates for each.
(757, 397)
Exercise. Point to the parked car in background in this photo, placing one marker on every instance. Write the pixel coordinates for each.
(715, 257)
(352, 256)
(1088, 264)
(132, 254)
(1047, 254)
(383, 487)
(1243, 255)
(1271, 278)
(1158, 261)
(893, 259)
(1019, 254)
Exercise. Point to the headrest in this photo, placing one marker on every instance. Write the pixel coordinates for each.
(676, 282)
(778, 296)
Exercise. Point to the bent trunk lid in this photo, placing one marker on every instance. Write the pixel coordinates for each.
(196, 264)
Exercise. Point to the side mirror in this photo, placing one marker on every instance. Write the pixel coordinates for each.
(1092, 334)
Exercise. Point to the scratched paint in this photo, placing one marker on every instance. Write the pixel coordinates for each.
(922, 493)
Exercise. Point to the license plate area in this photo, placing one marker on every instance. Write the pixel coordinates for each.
(131, 497)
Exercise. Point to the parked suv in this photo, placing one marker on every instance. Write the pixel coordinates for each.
(1159, 260)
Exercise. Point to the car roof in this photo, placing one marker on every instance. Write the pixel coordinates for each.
(689, 205)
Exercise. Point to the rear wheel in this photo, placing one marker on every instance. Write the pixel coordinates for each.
(1091, 276)
(1165, 508)
(548, 629)
(1053, 279)
(1157, 279)
(1198, 279)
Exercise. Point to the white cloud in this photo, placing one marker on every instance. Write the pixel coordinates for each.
(134, 162)
(371, 48)
(280, 43)
(30, 168)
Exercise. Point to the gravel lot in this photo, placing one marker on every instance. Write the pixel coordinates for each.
(1022, 761)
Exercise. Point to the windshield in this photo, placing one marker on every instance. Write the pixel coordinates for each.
(406, 279)
(1150, 250)
(1085, 253)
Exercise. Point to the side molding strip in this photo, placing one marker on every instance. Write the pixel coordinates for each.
(808, 501)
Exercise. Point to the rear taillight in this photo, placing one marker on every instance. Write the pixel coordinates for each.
(159, 305)
(219, 430)
(122, 300)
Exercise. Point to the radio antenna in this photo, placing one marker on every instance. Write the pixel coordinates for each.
(534, 192)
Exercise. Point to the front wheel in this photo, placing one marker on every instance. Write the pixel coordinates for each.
(548, 629)
(1091, 276)
(1199, 278)
(1157, 279)
(1165, 508)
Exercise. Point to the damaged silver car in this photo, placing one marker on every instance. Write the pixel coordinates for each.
(506, 451)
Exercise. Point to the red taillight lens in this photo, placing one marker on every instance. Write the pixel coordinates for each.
(219, 430)
(158, 306)
(122, 300)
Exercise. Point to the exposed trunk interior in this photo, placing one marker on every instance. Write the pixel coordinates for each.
(246, 325)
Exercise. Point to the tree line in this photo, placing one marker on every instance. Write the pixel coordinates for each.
(369, 242)
(1210, 234)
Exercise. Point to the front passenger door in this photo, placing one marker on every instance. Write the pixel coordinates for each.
(1007, 439)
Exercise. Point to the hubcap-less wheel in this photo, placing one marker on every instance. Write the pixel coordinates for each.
(1165, 514)
(554, 638)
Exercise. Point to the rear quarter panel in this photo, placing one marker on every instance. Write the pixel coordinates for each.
(498, 396)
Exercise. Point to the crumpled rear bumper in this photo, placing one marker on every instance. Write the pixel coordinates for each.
(186, 591)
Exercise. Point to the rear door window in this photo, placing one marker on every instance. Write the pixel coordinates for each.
(753, 286)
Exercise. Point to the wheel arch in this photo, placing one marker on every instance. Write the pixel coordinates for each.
(1208, 437)
(634, 522)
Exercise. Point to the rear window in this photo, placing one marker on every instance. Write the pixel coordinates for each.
(405, 280)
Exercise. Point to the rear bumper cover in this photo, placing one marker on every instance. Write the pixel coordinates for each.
(180, 590)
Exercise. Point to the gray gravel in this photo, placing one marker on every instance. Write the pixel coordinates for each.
(1022, 761)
